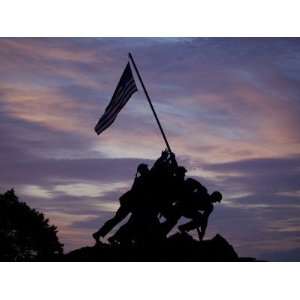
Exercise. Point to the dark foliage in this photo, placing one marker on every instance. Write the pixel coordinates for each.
(25, 234)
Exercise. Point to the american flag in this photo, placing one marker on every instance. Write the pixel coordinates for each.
(125, 88)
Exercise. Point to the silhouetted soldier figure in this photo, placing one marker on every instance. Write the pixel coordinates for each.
(163, 169)
(174, 194)
(141, 228)
(143, 225)
(128, 201)
(175, 190)
(163, 177)
(191, 209)
(194, 203)
(166, 158)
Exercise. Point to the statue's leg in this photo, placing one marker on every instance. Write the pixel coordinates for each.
(172, 215)
(124, 234)
(196, 221)
(120, 215)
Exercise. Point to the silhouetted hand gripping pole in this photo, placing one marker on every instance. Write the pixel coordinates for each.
(150, 103)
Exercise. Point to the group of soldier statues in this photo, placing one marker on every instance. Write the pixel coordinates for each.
(158, 198)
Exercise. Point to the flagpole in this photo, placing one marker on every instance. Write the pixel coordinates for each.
(150, 103)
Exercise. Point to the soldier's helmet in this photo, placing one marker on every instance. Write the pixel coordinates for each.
(216, 196)
(181, 170)
(165, 153)
(142, 169)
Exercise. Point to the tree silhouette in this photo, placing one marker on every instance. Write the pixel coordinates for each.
(25, 234)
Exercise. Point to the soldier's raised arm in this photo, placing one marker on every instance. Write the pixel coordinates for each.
(172, 159)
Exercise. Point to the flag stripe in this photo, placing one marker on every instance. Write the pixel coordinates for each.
(106, 118)
(114, 111)
(119, 89)
(119, 105)
(124, 90)
(125, 78)
(111, 114)
(119, 92)
(100, 130)
(120, 96)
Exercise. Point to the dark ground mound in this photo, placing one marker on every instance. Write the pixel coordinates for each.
(178, 247)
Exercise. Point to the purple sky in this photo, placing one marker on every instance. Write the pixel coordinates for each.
(230, 109)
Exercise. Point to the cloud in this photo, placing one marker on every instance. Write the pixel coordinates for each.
(263, 175)
(36, 191)
(88, 189)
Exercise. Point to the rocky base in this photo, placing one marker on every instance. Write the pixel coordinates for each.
(177, 248)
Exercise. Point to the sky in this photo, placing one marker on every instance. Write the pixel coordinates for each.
(229, 106)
